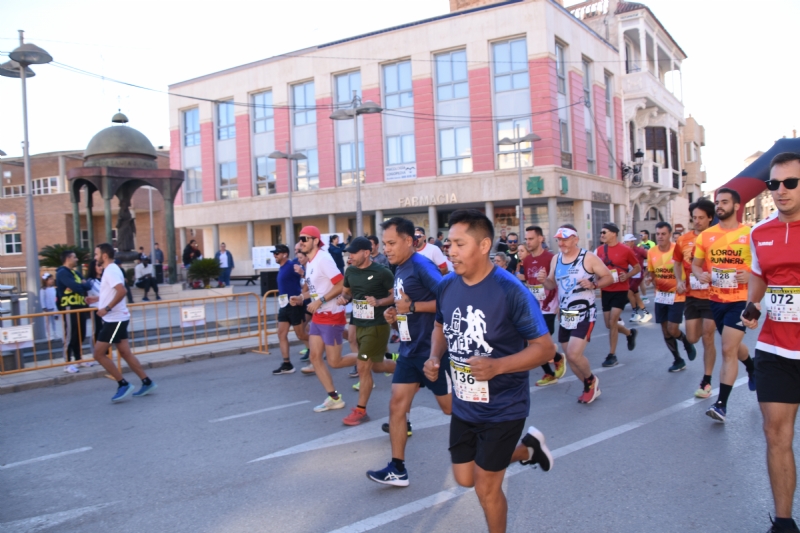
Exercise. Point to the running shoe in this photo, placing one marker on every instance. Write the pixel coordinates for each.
(611, 360)
(389, 476)
(645, 316)
(87, 364)
(704, 391)
(122, 392)
(395, 338)
(385, 428)
(678, 365)
(717, 412)
(780, 529)
(308, 370)
(590, 392)
(285, 368)
(645, 299)
(355, 417)
(304, 355)
(635, 317)
(632, 339)
(330, 404)
(547, 380)
(538, 452)
(561, 367)
(357, 385)
(621, 322)
(354, 373)
(751, 381)
(691, 351)
(145, 390)
(71, 369)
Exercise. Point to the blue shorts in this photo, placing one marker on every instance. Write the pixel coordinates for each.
(728, 314)
(409, 370)
(669, 313)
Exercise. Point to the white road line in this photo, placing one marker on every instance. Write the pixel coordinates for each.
(46, 521)
(223, 419)
(440, 497)
(45, 457)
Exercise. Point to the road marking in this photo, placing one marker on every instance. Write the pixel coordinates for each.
(45, 457)
(223, 419)
(440, 497)
(46, 521)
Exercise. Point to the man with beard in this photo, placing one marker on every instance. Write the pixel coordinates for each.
(513, 245)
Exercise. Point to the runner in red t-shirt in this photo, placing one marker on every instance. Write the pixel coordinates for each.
(623, 264)
(639, 314)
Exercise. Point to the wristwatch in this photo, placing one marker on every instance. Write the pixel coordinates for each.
(323, 300)
(412, 308)
(108, 309)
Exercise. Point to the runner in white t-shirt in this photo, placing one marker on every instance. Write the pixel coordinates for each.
(430, 251)
(113, 309)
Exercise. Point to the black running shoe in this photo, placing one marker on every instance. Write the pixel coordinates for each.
(611, 360)
(778, 529)
(539, 452)
(285, 368)
(632, 339)
(385, 428)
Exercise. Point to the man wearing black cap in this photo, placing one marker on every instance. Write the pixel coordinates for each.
(622, 264)
(289, 284)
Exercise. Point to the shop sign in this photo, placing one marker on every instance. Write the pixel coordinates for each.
(400, 172)
(603, 197)
(433, 199)
(8, 222)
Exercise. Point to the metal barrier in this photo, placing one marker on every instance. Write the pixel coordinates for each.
(265, 319)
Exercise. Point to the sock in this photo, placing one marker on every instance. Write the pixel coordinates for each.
(748, 364)
(334, 395)
(558, 357)
(146, 382)
(672, 344)
(122, 382)
(362, 407)
(399, 464)
(683, 339)
(785, 523)
(548, 369)
(724, 392)
(706, 381)
(588, 381)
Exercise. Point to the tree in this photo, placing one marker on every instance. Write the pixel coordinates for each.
(51, 255)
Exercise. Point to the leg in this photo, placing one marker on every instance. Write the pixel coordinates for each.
(616, 312)
(399, 405)
(365, 386)
(283, 340)
(445, 403)
(709, 348)
(101, 356)
(632, 300)
(154, 285)
(124, 350)
(80, 335)
(315, 348)
(302, 334)
(577, 361)
(335, 358)
(694, 329)
(731, 342)
(779, 420)
(489, 488)
(639, 302)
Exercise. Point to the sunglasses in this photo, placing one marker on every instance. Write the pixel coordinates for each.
(603, 232)
(509, 241)
(789, 183)
(304, 238)
(419, 236)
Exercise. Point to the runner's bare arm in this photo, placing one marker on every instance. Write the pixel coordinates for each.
(375, 302)
(121, 293)
(538, 352)
(601, 273)
(681, 288)
(627, 275)
(698, 271)
(549, 281)
(345, 297)
(756, 289)
(438, 347)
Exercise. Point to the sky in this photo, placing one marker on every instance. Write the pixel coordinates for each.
(740, 79)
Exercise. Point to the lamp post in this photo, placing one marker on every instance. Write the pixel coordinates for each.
(516, 142)
(289, 157)
(358, 108)
(21, 57)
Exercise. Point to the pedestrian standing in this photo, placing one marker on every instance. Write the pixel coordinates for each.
(93, 276)
(71, 292)
(225, 261)
(377, 256)
(47, 297)
(336, 250)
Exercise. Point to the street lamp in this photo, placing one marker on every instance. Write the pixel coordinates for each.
(516, 142)
(289, 158)
(22, 57)
(358, 108)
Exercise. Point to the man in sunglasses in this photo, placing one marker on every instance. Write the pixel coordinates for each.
(773, 243)
(513, 246)
(289, 284)
(429, 250)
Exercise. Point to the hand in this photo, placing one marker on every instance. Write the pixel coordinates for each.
(623, 276)
(92, 299)
(586, 284)
(681, 287)
(296, 300)
(371, 301)
(341, 300)
(751, 324)
(431, 368)
(390, 315)
(349, 233)
(705, 277)
(102, 312)
(403, 304)
(483, 368)
(313, 306)
(742, 277)
(299, 270)
(541, 275)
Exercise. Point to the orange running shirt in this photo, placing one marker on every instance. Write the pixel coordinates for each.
(722, 252)
(662, 266)
(684, 252)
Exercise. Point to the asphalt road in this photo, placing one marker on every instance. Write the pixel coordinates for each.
(643, 457)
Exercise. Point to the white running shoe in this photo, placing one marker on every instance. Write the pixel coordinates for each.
(308, 369)
(330, 404)
(646, 316)
(635, 317)
(71, 369)
(88, 364)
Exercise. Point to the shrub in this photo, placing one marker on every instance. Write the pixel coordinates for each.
(51, 255)
(204, 270)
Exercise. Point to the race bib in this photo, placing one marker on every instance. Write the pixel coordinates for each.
(783, 303)
(570, 319)
(666, 298)
(724, 278)
(695, 284)
(402, 328)
(537, 291)
(283, 300)
(465, 386)
(362, 310)
(615, 275)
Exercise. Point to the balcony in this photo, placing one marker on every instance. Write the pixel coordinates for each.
(643, 84)
(656, 177)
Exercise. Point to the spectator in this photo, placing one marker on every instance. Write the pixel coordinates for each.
(446, 251)
(142, 255)
(47, 297)
(675, 236)
(522, 253)
(127, 280)
(431, 241)
(145, 278)
(70, 295)
(336, 250)
(93, 275)
(190, 253)
(377, 256)
(501, 260)
(513, 243)
(158, 256)
(501, 244)
(225, 260)
(438, 242)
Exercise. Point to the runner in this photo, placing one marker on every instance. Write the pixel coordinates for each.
(428, 250)
(572, 272)
(722, 258)
(539, 259)
(775, 274)
(113, 309)
(289, 284)
(324, 283)
(622, 263)
(639, 313)
(369, 287)
(414, 312)
(300, 268)
(699, 319)
(494, 333)
(670, 297)
(646, 243)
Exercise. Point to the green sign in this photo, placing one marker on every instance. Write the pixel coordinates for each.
(535, 185)
(564, 185)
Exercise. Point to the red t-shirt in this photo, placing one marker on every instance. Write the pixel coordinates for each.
(619, 258)
(531, 266)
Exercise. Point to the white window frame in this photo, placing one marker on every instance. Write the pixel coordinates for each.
(41, 186)
(519, 78)
(591, 156)
(14, 191)
(456, 163)
(307, 170)
(190, 195)
(303, 113)
(16, 243)
(448, 66)
(346, 175)
(403, 146)
(507, 154)
(561, 71)
(191, 136)
(402, 95)
(229, 191)
(343, 98)
(226, 121)
(263, 112)
(265, 184)
(609, 81)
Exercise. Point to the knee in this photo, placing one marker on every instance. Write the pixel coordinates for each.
(778, 436)
(488, 494)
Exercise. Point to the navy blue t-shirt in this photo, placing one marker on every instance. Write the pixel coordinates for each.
(495, 318)
(288, 280)
(418, 278)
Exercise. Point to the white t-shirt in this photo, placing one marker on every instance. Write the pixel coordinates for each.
(141, 271)
(113, 276)
(434, 254)
(223, 260)
(321, 275)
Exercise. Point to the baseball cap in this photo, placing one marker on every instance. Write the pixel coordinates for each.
(610, 226)
(280, 249)
(311, 231)
(565, 233)
(358, 244)
(628, 238)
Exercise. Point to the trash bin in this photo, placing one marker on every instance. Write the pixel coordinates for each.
(160, 273)
(269, 281)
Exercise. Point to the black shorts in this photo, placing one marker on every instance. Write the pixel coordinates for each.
(550, 320)
(669, 313)
(618, 299)
(697, 308)
(490, 444)
(728, 314)
(293, 314)
(777, 378)
(113, 332)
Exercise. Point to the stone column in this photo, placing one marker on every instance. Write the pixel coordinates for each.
(251, 238)
(331, 223)
(488, 208)
(643, 65)
(287, 227)
(621, 219)
(169, 222)
(582, 216)
(552, 222)
(62, 174)
(107, 211)
(214, 240)
(76, 216)
(378, 222)
(433, 221)
(89, 220)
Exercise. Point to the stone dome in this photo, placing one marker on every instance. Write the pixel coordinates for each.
(120, 146)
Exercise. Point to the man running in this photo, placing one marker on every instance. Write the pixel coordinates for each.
(370, 288)
(113, 309)
(622, 264)
(494, 333)
(670, 299)
(722, 258)
(289, 314)
(572, 272)
(414, 312)
(428, 250)
(699, 319)
(537, 260)
(775, 274)
(639, 313)
(300, 268)
(71, 291)
(645, 243)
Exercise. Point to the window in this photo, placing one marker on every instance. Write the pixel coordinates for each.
(45, 185)
(12, 243)
(610, 124)
(564, 131)
(265, 176)
(345, 85)
(400, 149)
(397, 85)
(193, 186)
(347, 167)
(691, 197)
(85, 238)
(587, 81)
(191, 127)
(11, 191)
(456, 150)
(561, 71)
(655, 140)
(263, 112)
(591, 163)
(514, 129)
(307, 171)
(510, 65)
(691, 152)
(303, 96)
(226, 123)
(451, 75)
(227, 181)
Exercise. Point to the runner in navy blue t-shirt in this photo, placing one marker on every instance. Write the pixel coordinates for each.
(289, 284)
(494, 331)
(415, 282)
